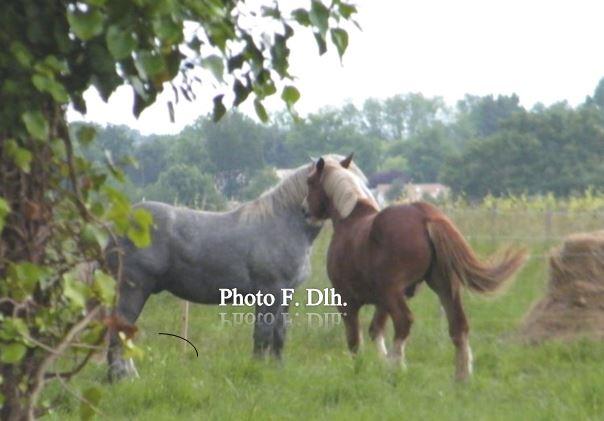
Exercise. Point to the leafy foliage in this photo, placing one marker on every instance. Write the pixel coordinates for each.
(59, 204)
(185, 185)
(546, 150)
(558, 150)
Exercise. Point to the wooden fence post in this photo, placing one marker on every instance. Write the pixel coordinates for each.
(184, 329)
(492, 229)
(548, 224)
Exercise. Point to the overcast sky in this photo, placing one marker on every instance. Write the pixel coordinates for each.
(544, 51)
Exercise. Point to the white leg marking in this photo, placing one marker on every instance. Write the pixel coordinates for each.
(381, 345)
(463, 357)
(132, 368)
(398, 353)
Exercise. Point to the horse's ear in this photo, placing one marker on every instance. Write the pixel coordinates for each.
(320, 164)
(346, 161)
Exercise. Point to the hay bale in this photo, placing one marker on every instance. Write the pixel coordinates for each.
(573, 306)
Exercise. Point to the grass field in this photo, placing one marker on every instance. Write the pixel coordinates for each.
(318, 379)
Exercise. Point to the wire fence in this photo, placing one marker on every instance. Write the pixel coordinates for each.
(533, 228)
(537, 230)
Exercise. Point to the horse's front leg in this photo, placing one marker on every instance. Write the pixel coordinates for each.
(279, 331)
(131, 301)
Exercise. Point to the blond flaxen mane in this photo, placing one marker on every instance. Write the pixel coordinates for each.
(344, 189)
(291, 191)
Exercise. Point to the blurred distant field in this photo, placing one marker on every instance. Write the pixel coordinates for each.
(318, 379)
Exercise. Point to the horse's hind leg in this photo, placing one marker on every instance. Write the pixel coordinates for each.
(402, 318)
(264, 328)
(350, 315)
(448, 291)
(132, 298)
(376, 329)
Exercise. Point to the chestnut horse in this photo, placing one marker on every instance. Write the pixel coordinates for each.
(374, 256)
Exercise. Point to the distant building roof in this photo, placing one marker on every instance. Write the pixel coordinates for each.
(283, 173)
(419, 191)
(387, 177)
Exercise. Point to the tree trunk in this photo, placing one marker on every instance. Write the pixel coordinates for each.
(24, 238)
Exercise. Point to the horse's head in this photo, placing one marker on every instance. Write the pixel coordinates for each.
(316, 202)
(333, 190)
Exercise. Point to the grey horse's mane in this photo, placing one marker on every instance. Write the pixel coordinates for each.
(291, 191)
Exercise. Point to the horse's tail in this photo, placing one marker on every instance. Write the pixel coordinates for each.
(455, 256)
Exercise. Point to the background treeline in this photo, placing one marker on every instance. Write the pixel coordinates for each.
(482, 146)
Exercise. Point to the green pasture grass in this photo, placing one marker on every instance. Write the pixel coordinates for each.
(318, 379)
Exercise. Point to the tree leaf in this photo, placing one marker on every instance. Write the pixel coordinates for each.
(25, 276)
(36, 124)
(340, 38)
(290, 95)
(92, 234)
(85, 134)
(57, 66)
(20, 156)
(13, 329)
(241, 92)
(301, 16)
(235, 62)
(219, 108)
(168, 31)
(139, 104)
(120, 43)
(104, 287)
(215, 64)
(49, 85)
(12, 353)
(105, 77)
(347, 10)
(272, 12)
(78, 102)
(75, 290)
(21, 53)
(280, 54)
(139, 230)
(4, 211)
(320, 43)
(86, 25)
(149, 64)
(260, 110)
(319, 16)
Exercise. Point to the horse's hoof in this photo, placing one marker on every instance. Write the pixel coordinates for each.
(462, 377)
(397, 361)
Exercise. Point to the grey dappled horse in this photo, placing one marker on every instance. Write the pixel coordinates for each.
(263, 245)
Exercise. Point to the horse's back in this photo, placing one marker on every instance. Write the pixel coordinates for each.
(401, 239)
(402, 224)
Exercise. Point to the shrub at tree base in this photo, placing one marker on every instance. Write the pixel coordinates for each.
(574, 304)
